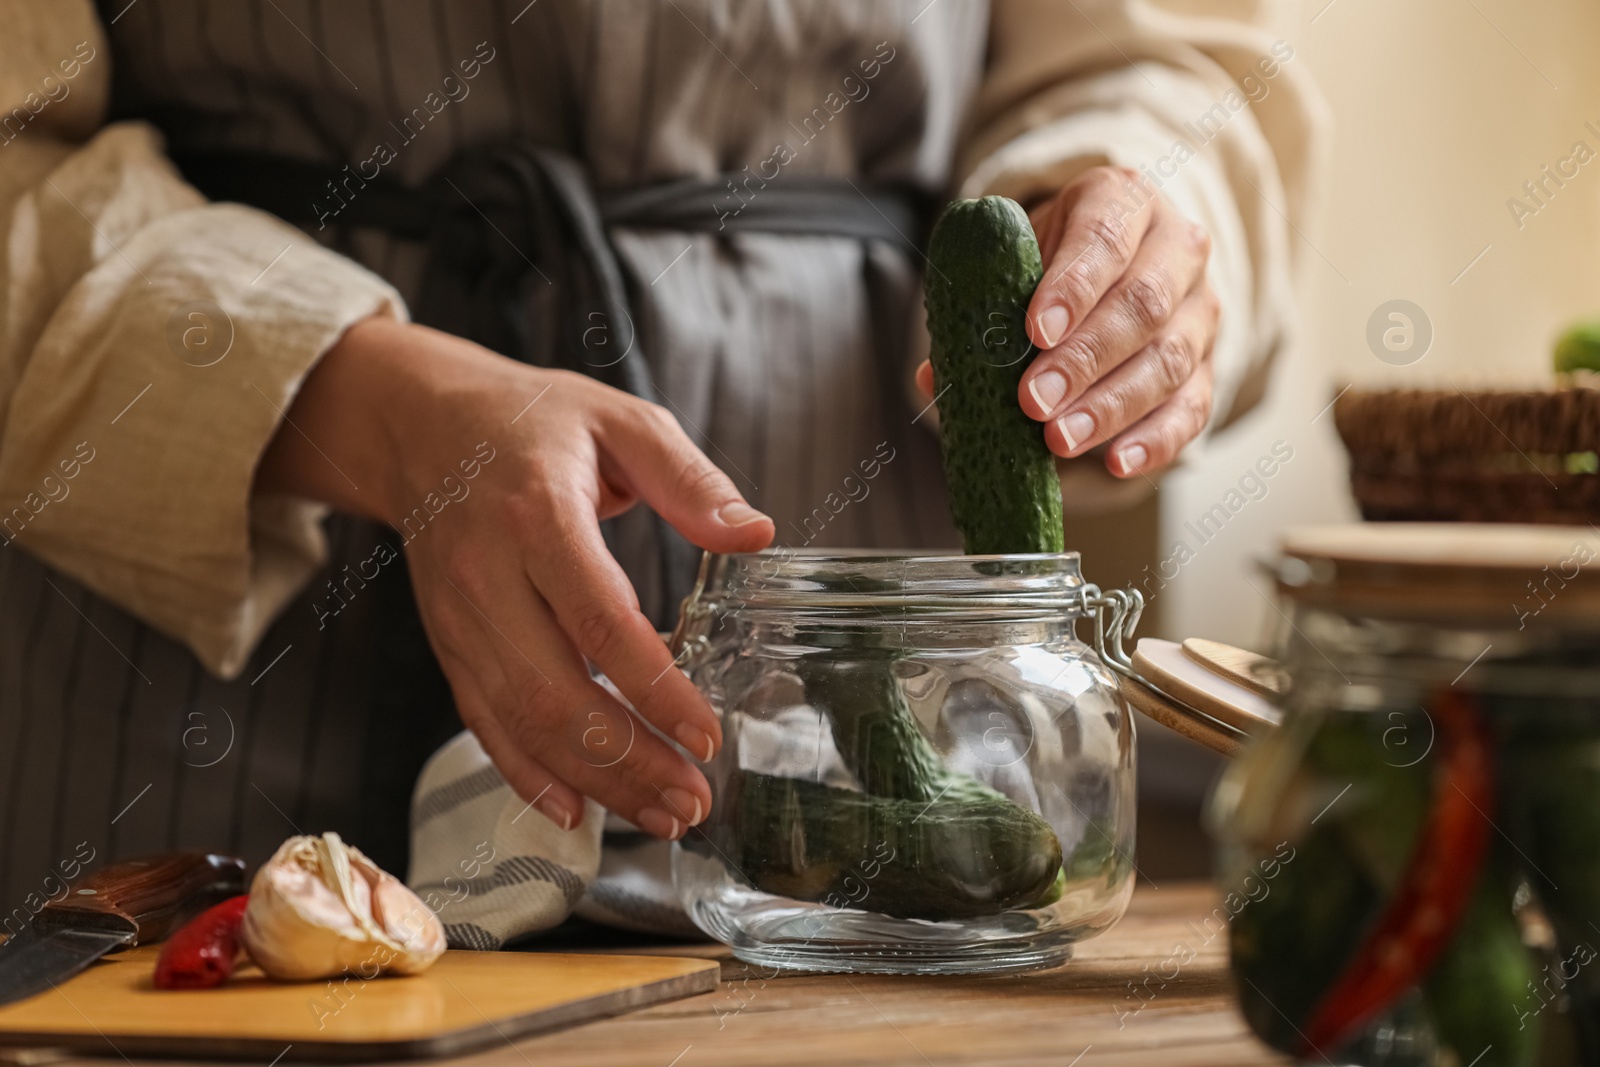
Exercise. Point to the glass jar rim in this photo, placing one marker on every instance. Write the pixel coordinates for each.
(1010, 587)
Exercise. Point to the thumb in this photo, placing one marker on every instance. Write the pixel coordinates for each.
(667, 471)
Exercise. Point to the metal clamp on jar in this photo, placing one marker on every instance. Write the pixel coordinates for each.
(1210, 692)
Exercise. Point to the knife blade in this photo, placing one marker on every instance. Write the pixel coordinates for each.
(130, 903)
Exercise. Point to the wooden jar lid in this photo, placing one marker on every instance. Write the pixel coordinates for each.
(1449, 571)
(1220, 693)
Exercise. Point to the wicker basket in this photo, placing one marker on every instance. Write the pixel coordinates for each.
(1434, 456)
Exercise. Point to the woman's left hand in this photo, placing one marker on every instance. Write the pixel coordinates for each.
(1124, 320)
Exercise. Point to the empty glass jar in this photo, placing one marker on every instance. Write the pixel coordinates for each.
(923, 769)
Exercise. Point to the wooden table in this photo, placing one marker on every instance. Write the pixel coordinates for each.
(1083, 1014)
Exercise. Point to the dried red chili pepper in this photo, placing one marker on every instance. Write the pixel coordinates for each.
(1435, 890)
(202, 953)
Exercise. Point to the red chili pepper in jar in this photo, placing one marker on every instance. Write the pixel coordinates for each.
(202, 953)
(1435, 890)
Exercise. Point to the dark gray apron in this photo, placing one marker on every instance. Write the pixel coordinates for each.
(115, 741)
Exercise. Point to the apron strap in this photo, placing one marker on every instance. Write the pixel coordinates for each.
(518, 257)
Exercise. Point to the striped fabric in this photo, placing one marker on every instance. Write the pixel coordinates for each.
(491, 866)
(784, 357)
(495, 869)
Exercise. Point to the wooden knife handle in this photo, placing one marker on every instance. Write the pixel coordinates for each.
(146, 898)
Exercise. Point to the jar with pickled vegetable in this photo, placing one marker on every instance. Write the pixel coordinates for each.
(923, 769)
(1431, 803)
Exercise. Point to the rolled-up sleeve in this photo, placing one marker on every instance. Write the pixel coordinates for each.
(1214, 111)
(151, 344)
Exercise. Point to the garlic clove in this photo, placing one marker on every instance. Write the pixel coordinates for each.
(320, 908)
(407, 920)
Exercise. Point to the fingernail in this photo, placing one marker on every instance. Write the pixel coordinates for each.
(1133, 458)
(1047, 389)
(738, 513)
(556, 812)
(695, 740)
(1076, 428)
(685, 805)
(1052, 323)
(658, 823)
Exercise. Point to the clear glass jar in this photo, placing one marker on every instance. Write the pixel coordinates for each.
(1413, 859)
(923, 769)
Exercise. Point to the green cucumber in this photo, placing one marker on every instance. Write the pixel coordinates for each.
(967, 854)
(983, 266)
(1479, 991)
(919, 840)
(956, 848)
(873, 728)
(1290, 945)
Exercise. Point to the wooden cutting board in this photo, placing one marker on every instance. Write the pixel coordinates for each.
(464, 1002)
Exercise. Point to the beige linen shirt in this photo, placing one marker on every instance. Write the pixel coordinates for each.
(109, 258)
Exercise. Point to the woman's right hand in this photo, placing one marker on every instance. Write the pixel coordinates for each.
(515, 585)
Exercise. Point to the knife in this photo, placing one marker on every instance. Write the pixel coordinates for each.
(130, 903)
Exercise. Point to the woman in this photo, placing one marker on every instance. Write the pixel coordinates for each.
(189, 656)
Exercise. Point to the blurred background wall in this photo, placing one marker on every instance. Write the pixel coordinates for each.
(1442, 110)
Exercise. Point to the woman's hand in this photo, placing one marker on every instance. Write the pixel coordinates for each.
(515, 585)
(1124, 321)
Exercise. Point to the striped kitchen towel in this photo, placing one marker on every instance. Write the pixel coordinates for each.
(494, 868)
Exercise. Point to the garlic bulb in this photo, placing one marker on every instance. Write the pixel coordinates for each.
(320, 908)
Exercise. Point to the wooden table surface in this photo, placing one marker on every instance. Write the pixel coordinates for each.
(1082, 1014)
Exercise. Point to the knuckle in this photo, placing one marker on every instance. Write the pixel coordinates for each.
(1170, 440)
(1076, 285)
(1173, 357)
(1147, 301)
(1115, 176)
(701, 480)
(1200, 239)
(529, 506)
(1111, 234)
(1184, 423)
(464, 570)
(1112, 410)
(638, 761)
(658, 418)
(1077, 361)
(607, 736)
(1196, 411)
(526, 724)
(596, 630)
(532, 694)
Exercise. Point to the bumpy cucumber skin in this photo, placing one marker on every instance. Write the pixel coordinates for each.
(924, 841)
(956, 848)
(967, 854)
(984, 265)
(873, 729)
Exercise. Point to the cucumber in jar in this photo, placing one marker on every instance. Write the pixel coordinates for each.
(917, 841)
(1478, 992)
(1291, 948)
(966, 854)
(939, 843)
